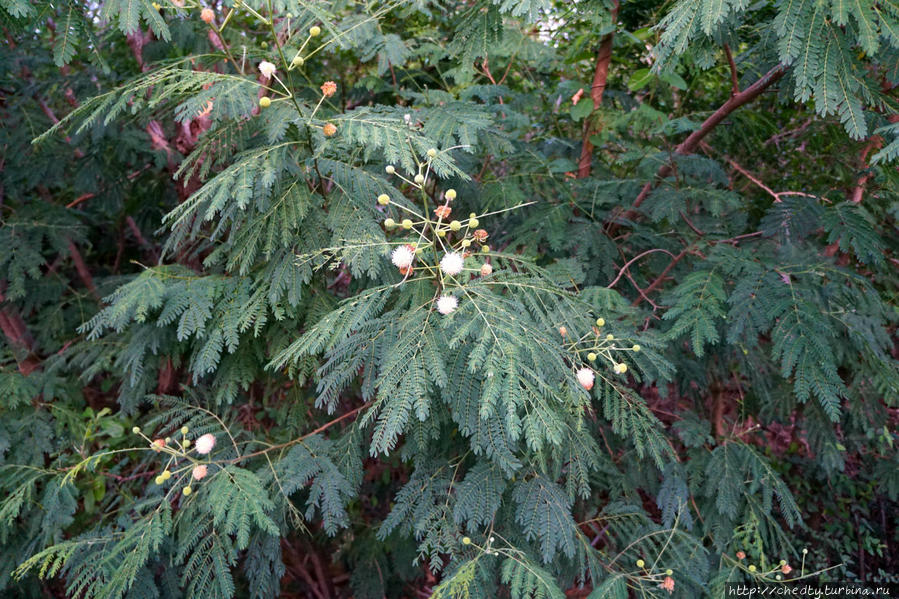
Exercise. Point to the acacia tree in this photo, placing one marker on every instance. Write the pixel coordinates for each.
(451, 299)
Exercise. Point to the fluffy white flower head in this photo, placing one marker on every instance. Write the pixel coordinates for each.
(402, 257)
(205, 444)
(451, 263)
(586, 377)
(447, 304)
(267, 69)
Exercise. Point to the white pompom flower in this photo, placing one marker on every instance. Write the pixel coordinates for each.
(452, 263)
(402, 257)
(586, 377)
(447, 304)
(205, 444)
(267, 69)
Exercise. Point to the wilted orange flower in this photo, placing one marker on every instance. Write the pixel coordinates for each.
(329, 88)
(207, 15)
(741, 555)
(443, 211)
(158, 444)
(786, 569)
(563, 331)
(577, 97)
(480, 235)
(668, 584)
(206, 109)
(329, 129)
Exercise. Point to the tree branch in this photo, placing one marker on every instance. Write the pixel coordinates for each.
(692, 142)
(734, 79)
(600, 80)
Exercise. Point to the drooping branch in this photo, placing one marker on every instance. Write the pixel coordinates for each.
(692, 142)
(597, 89)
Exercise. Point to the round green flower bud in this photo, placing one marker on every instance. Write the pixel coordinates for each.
(407, 224)
(466, 242)
(600, 322)
(636, 347)
(455, 225)
(168, 440)
(390, 169)
(265, 102)
(752, 568)
(184, 430)
(473, 223)
(187, 490)
(441, 233)
(466, 540)
(450, 194)
(165, 475)
(298, 61)
(186, 443)
(389, 223)
(432, 152)
(640, 563)
(159, 480)
(783, 562)
(135, 430)
(669, 572)
(486, 249)
(263, 44)
(419, 179)
(383, 199)
(315, 31)
(591, 356)
(610, 336)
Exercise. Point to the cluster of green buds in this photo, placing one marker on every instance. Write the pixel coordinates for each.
(595, 345)
(434, 244)
(488, 547)
(181, 459)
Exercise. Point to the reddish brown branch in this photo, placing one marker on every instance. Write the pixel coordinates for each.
(600, 81)
(858, 191)
(692, 142)
(734, 79)
(13, 327)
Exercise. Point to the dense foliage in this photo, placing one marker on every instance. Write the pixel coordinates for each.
(452, 299)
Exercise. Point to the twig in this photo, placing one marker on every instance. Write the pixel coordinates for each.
(82, 198)
(323, 427)
(634, 259)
